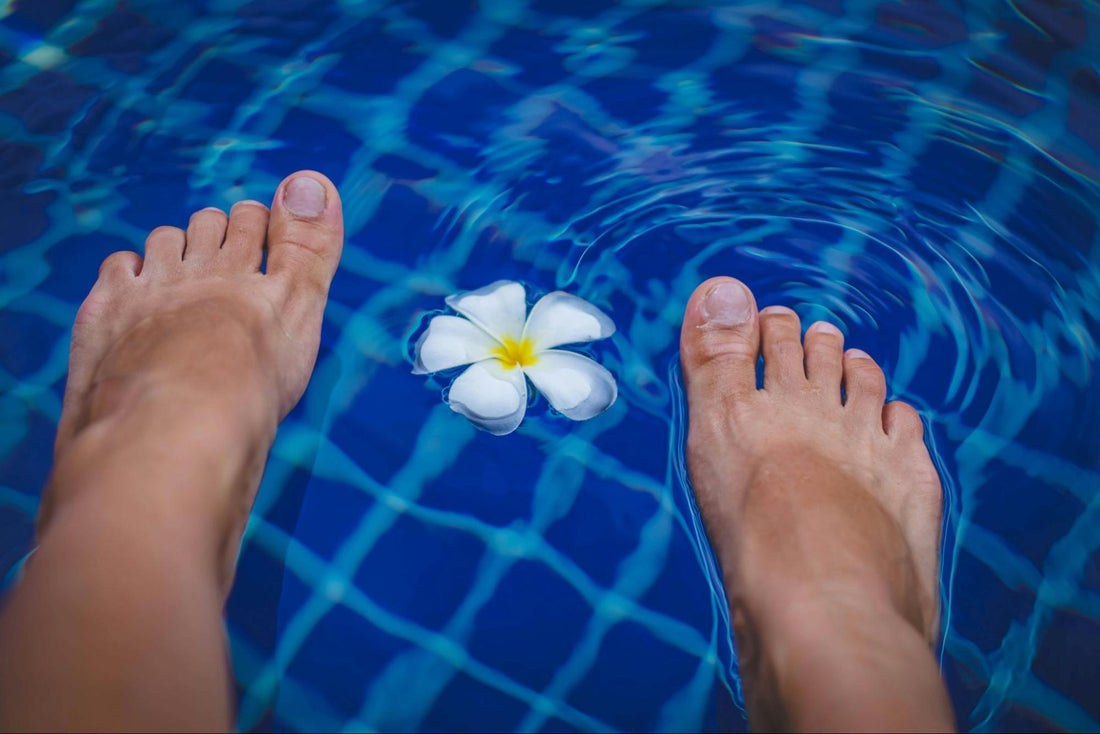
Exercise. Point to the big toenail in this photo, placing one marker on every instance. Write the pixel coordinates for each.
(727, 304)
(304, 197)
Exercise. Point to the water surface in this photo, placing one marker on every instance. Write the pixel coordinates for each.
(925, 175)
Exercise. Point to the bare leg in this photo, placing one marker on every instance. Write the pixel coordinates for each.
(182, 365)
(825, 517)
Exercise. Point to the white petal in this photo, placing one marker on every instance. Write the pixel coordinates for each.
(562, 318)
(498, 308)
(451, 342)
(576, 386)
(491, 396)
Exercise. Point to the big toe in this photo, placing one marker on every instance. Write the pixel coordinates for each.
(305, 233)
(720, 341)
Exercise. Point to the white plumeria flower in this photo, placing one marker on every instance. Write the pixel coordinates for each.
(504, 349)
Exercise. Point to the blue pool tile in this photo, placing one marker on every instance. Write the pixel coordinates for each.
(629, 100)
(319, 136)
(17, 529)
(631, 676)
(923, 24)
(404, 227)
(580, 8)
(18, 163)
(499, 712)
(255, 597)
(533, 54)
(1029, 518)
(381, 448)
(601, 527)
(279, 25)
(371, 61)
(346, 653)
(220, 86)
(40, 15)
(681, 590)
(402, 168)
(125, 39)
(445, 20)
(531, 625)
(670, 39)
(442, 560)
(443, 122)
(24, 215)
(472, 484)
(1067, 657)
(74, 263)
(47, 102)
(973, 616)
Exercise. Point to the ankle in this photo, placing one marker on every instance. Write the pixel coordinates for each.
(838, 663)
(168, 461)
(145, 398)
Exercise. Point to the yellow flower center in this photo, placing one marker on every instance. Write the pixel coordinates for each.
(514, 353)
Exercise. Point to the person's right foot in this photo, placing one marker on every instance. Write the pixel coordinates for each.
(813, 492)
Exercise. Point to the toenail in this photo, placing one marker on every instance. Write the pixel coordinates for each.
(727, 304)
(778, 309)
(858, 354)
(825, 327)
(305, 197)
(249, 202)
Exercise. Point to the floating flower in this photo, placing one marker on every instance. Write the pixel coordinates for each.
(505, 347)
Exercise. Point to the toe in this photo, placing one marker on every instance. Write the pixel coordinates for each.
(120, 266)
(164, 251)
(901, 421)
(245, 234)
(824, 348)
(781, 345)
(306, 232)
(720, 341)
(205, 233)
(864, 386)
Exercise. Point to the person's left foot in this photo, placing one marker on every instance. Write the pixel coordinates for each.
(192, 354)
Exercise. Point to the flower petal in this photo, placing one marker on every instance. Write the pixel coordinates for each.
(498, 308)
(451, 342)
(491, 396)
(562, 318)
(576, 386)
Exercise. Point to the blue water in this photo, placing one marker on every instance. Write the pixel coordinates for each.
(925, 175)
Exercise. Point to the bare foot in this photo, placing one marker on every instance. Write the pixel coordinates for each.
(822, 505)
(182, 365)
(196, 329)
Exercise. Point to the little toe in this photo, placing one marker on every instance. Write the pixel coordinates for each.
(120, 266)
(246, 231)
(719, 343)
(864, 387)
(305, 233)
(781, 345)
(901, 421)
(164, 252)
(824, 348)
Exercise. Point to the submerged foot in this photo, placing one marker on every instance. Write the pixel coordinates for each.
(195, 349)
(819, 498)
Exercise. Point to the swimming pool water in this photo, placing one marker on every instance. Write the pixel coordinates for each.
(924, 174)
